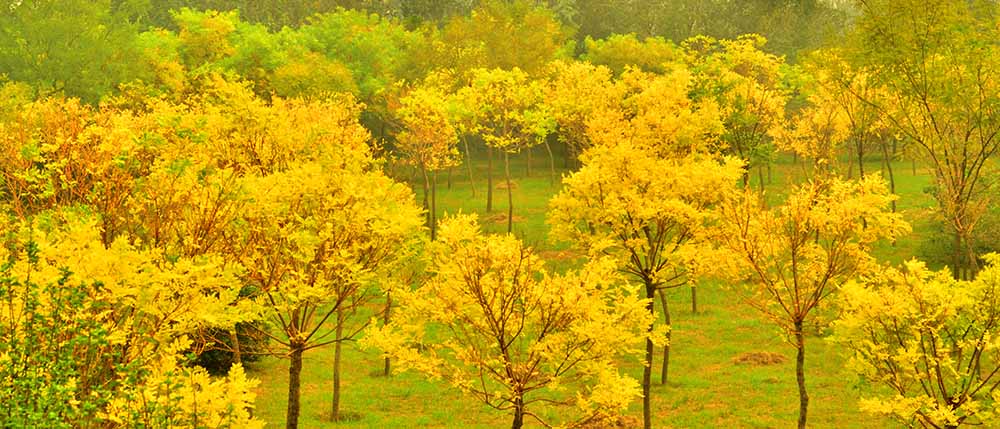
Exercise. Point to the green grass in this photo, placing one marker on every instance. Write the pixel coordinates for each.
(707, 388)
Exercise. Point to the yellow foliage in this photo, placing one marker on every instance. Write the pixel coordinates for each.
(517, 337)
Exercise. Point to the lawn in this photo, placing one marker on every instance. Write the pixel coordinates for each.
(707, 388)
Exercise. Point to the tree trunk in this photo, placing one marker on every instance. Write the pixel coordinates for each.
(518, 414)
(237, 353)
(694, 299)
(489, 179)
(510, 193)
(434, 185)
(552, 164)
(294, 380)
(665, 369)
(861, 159)
(770, 179)
(957, 255)
(449, 178)
(913, 165)
(760, 179)
(647, 370)
(888, 168)
(387, 370)
(468, 162)
(427, 196)
(800, 373)
(335, 405)
(527, 164)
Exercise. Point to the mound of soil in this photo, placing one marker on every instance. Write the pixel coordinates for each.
(759, 359)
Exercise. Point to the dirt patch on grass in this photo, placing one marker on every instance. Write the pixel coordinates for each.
(619, 422)
(503, 185)
(502, 218)
(759, 359)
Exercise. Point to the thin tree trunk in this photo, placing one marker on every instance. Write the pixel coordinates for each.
(957, 255)
(694, 299)
(468, 162)
(665, 368)
(527, 165)
(552, 164)
(434, 185)
(427, 196)
(888, 167)
(800, 373)
(489, 179)
(449, 177)
(518, 414)
(237, 353)
(770, 180)
(913, 165)
(760, 179)
(861, 160)
(387, 369)
(337, 346)
(647, 370)
(510, 193)
(294, 381)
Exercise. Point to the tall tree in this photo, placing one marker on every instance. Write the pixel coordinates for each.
(799, 253)
(645, 193)
(941, 73)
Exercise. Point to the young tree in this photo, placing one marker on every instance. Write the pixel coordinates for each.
(801, 252)
(746, 82)
(428, 140)
(515, 336)
(645, 192)
(928, 338)
(511, 114)
(575, 92)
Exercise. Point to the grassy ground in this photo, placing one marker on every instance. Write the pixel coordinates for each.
(708, 388)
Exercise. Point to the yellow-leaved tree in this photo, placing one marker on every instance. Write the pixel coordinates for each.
(646, 192)
(429, 140)
(494, 323)
(511, 115)
(930, 339)
(746, 82)
(574, 93)
(798, 254)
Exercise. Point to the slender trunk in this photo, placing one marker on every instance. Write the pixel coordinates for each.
(237, 353)
(760, 179)
(386, 318)
(913, 165)
(957, 255)
(800, 373)
(746, 174)
(647, 370)
(552, 164)
(434, 185)
(850, 170)
(449, 177)
(665, 369)
(527, 165)
(510, 193)
(489, 179)
(770, 178)
(468, 162)
(861, 159)
(694, 299)
(427, 196)
(294, 380)
(337, 346)
(888, 168)
(518, 414)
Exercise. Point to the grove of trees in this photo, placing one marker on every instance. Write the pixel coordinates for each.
(187, 187)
